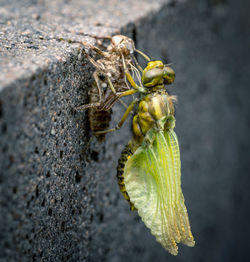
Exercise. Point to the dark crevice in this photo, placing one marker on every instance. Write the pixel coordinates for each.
(94, 155)
(4, 128)
(50, 212)
(101, 217)
(78, 177)
(63, 226)
(14, 190)
(37, 191)
(61, 154)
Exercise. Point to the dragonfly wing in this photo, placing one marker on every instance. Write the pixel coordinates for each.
(152, 179)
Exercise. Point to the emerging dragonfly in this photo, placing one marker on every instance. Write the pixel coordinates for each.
(149, 169)
(109, 79)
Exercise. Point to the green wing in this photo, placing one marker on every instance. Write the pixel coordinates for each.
(152, 179)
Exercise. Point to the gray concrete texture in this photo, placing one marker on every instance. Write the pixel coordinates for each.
(59, 199)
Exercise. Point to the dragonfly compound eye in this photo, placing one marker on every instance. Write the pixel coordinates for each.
(152, 77)
(168, 75)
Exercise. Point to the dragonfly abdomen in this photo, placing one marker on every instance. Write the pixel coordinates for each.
(127, 152)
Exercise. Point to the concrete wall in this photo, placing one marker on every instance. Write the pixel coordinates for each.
(59, 197)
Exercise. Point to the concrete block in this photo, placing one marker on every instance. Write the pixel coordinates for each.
(59, 198)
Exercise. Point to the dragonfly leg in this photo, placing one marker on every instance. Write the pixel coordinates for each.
(100, 89)
(130, 78)
(123, 119)
(142, 54)
(127, 93)
(114, 91)
(90, 105)
(97, 65)
(97, 50)
(136, 63)
(110, 101)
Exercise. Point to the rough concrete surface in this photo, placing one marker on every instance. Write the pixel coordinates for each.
(59, 199)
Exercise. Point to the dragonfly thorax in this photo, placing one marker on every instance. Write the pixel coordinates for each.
(152, 108)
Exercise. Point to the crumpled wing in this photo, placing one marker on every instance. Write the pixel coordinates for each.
(152, 179)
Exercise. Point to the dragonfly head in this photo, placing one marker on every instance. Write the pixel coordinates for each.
(156, 74)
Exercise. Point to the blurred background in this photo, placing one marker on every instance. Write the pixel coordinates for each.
(59, 195)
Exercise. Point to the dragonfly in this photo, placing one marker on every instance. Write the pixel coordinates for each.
(149, 169)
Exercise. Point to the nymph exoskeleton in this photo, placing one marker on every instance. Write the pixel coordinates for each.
(149, 169)
(109, 78)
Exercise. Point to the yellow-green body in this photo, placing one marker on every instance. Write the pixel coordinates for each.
(149, 170)
(152, 108)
